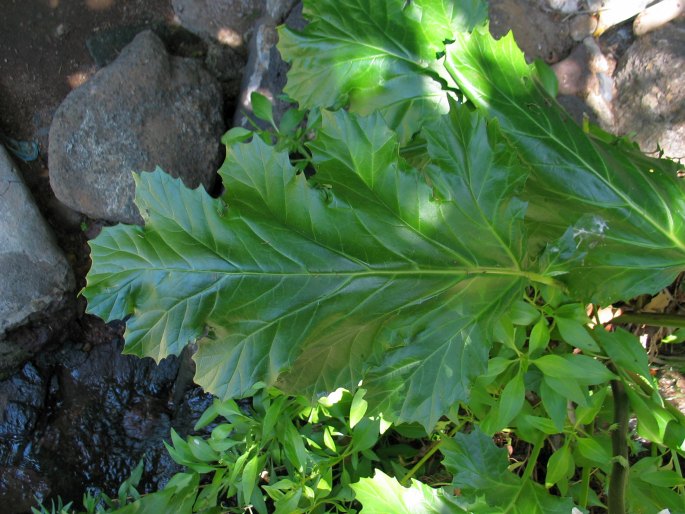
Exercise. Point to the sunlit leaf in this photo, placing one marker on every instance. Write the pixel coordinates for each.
(371, 55)
(383, 494)
(627, 211)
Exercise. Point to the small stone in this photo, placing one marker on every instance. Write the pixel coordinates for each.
(266, 72)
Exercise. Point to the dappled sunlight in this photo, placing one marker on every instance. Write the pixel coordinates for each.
(229, 37)
(99, 5)
(78, 78)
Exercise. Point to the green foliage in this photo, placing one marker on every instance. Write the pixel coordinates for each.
(436, 241)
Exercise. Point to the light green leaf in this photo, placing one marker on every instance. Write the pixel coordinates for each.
(545, 425)
(314, 288)
(358, 407)
(178, 496)
(627, 210)
(539, 338)
(371, 55)
(236, 135)
(592, 450)
(249, 477)
(383, 494)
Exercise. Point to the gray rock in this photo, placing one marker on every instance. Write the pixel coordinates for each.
(266, 72)
(146, 109)
(651, 98)
(35, 274)
(228, 21)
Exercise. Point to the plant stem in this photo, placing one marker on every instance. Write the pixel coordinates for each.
(651, 318)
(431, 451)
(533, 459)
(585, 486)
(619, 442)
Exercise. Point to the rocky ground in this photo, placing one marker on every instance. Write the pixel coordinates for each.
(91, 89)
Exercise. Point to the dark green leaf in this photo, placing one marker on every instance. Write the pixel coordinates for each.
(480, 468)
(625, 350)
(523, 313)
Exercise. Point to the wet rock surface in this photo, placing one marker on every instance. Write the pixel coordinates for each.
(146, 109)
(85, 415)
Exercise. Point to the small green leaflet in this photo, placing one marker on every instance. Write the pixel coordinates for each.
(314, 288)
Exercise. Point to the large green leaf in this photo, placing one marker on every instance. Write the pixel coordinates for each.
(382, 494)
(370, 55)
(480, 472)
(367, 273)
(627, 210)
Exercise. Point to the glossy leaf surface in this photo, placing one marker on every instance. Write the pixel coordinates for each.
(372, 271)
(370, 55)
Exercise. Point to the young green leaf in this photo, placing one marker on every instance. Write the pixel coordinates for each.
(581, 368)
(576, 334)
(262, 108)
(539, 338)
(511, 400)
(560, 466)
(591, 449)
(358, 407)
